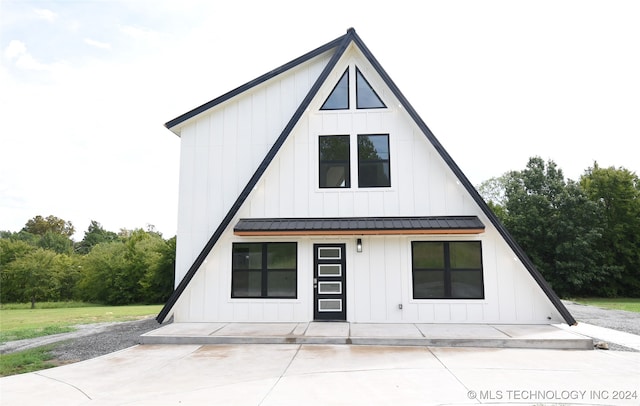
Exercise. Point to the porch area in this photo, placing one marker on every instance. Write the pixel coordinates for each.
(406, 334)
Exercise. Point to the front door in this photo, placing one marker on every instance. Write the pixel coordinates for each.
(329, 277)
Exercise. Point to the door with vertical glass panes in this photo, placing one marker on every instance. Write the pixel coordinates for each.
(329, 277)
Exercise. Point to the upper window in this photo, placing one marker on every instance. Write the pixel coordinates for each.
(366, 97)
(264, 270)
(373, 161)
(447, 270)
(339, 97)
(334, 161)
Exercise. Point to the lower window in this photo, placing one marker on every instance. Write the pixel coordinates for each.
(264, 270)
(447, 270)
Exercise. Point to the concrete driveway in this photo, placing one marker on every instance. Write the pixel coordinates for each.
(295, 374)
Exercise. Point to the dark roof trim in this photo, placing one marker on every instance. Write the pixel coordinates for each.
(360, 225)
(467, 184)
(229, 95)
(342, 43)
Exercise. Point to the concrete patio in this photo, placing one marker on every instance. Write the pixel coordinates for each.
(411, 373)
(298, 374)
(408, 334)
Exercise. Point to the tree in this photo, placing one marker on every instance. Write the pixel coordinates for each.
(158, 280)
(134, 269)
(493, 193)
(94, 235)
(67, 271)
(531, 208)
(40, 226)
(56, 242)
(31, 239)
(10, 250)
(556, 225)
(30, 278)
(102, 272)
(50, 233)
(617, 192)
(578, 265)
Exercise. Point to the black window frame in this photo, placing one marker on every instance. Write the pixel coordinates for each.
(361, 163)
(360, 75)
(322, 163)
(264, 271)
(345, 74)
(447, 271)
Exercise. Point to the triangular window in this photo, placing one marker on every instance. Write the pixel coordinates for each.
(366, 97)
(339, 97)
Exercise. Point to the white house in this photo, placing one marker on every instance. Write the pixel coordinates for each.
(316, 192)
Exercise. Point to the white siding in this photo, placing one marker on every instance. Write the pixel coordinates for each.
(221, 150)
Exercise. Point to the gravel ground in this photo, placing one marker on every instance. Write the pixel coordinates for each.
(88, 341)
(620, 320)
(99, 339)
(115, 337)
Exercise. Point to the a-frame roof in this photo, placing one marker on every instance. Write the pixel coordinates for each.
(338, 46)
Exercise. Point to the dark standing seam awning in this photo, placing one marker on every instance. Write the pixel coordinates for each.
(359, 226)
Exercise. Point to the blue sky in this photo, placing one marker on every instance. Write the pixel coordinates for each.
(86, 87)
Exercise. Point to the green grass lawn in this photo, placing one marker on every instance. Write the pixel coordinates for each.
(620, 303)
(26, 361)
(19, 322)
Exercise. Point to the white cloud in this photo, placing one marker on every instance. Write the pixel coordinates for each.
(15, 49)
(97, 44)
(45, 14)
(26, 61)
(139, 33)
(17, 52)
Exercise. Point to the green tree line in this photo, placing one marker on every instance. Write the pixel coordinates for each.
(42, 263)
(583, 236)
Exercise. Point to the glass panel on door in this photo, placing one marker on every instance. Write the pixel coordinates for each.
(329, 293)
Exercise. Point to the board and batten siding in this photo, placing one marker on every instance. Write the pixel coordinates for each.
(378, 281)
(379, 278)
(221, 149)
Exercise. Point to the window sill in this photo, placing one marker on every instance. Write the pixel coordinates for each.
(262, 300)
(447, 301)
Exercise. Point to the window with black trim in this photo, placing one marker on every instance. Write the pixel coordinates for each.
(366, 97)
(373, 161)
(334, 161)
(264, 270)
(339, 97)
(447, 270)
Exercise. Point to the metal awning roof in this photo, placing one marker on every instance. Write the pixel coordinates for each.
(359, 226)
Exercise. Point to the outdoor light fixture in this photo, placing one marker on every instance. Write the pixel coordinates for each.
(359, 245)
